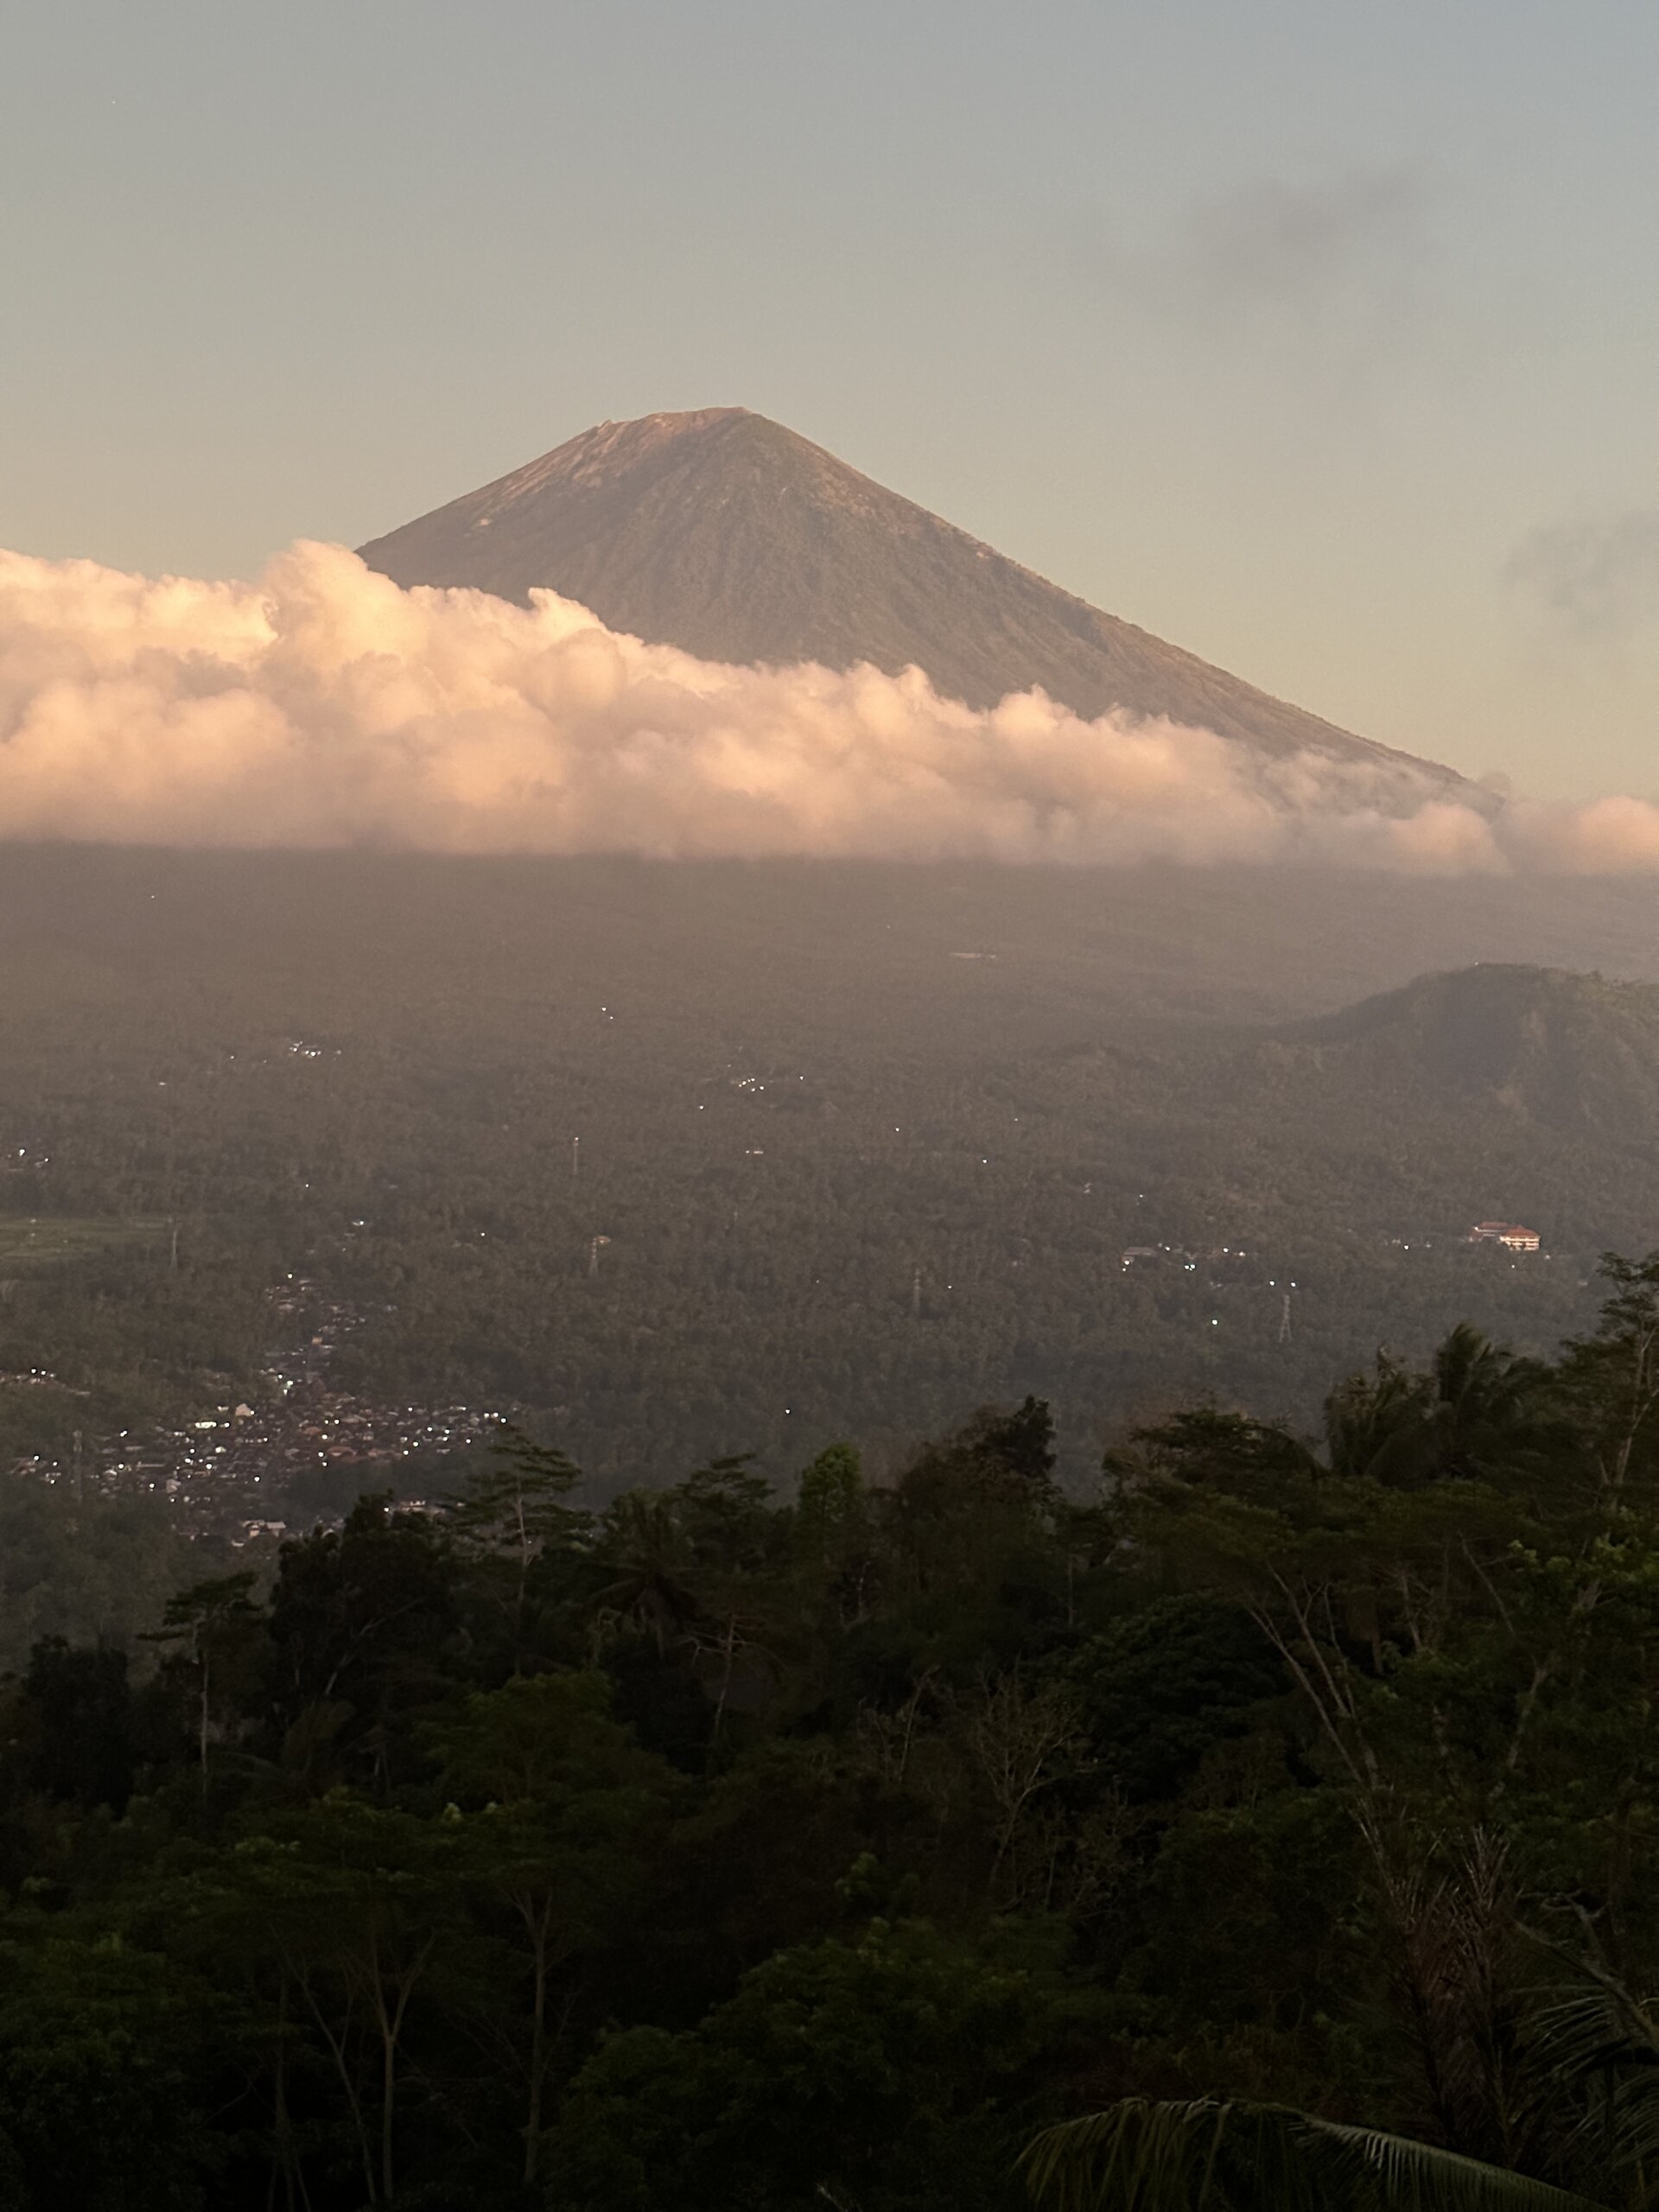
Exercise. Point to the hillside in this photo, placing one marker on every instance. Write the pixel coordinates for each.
(1569, 1052)
(727, 535)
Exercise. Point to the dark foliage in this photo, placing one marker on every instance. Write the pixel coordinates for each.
(753, 1852)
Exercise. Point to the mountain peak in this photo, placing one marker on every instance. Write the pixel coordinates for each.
(730, 535)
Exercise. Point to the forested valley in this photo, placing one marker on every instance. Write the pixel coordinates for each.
(663, 1164)
(728, 1848)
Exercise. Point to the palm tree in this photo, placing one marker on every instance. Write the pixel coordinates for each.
(1378, 1427)
(642, 1544)
(1492, 1407)
(1479, 1405)
(1212, 2156)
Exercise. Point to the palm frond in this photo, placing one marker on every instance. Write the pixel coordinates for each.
(1420, 2178)
(1132, 2155)
(1211, 2155)
(1604, 2044)
(1597, 2026)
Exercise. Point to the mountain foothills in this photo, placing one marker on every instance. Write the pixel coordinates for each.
(732, 538)
(311, 1167)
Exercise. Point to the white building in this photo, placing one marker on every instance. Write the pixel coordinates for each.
(1510, 1234)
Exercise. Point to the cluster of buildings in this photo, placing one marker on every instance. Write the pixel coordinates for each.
(227, 1471)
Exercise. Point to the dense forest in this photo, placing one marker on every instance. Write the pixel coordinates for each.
(726, 1848)
(667, 1163)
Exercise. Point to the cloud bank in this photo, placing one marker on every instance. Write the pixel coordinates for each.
(324, 707)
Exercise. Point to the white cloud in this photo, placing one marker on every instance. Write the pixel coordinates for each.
(326, 707)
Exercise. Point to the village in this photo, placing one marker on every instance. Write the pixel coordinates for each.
(239, 1472)
(299, 1448)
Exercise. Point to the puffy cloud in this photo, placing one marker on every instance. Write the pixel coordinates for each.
(1611, 836)
(326, 707)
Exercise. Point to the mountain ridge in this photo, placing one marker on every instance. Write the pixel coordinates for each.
(727, 535)
(1565, 1050)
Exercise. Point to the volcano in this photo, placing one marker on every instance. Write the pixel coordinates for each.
(728, 536)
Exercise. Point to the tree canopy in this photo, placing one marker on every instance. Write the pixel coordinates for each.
(1272, 1822)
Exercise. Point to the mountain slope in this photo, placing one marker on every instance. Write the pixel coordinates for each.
(727, 535)
(1569, 1052)
(1491, 1093)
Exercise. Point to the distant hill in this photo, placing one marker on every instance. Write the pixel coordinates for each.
(1502, 1092)
(1570, 1053)
(727, 535)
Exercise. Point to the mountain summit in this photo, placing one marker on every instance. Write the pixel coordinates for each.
(727, 535)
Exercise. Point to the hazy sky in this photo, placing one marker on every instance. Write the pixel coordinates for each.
(1319, 337)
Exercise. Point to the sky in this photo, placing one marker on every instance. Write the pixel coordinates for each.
(1320, 338)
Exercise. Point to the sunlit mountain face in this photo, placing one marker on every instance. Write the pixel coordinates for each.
(732, 538)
